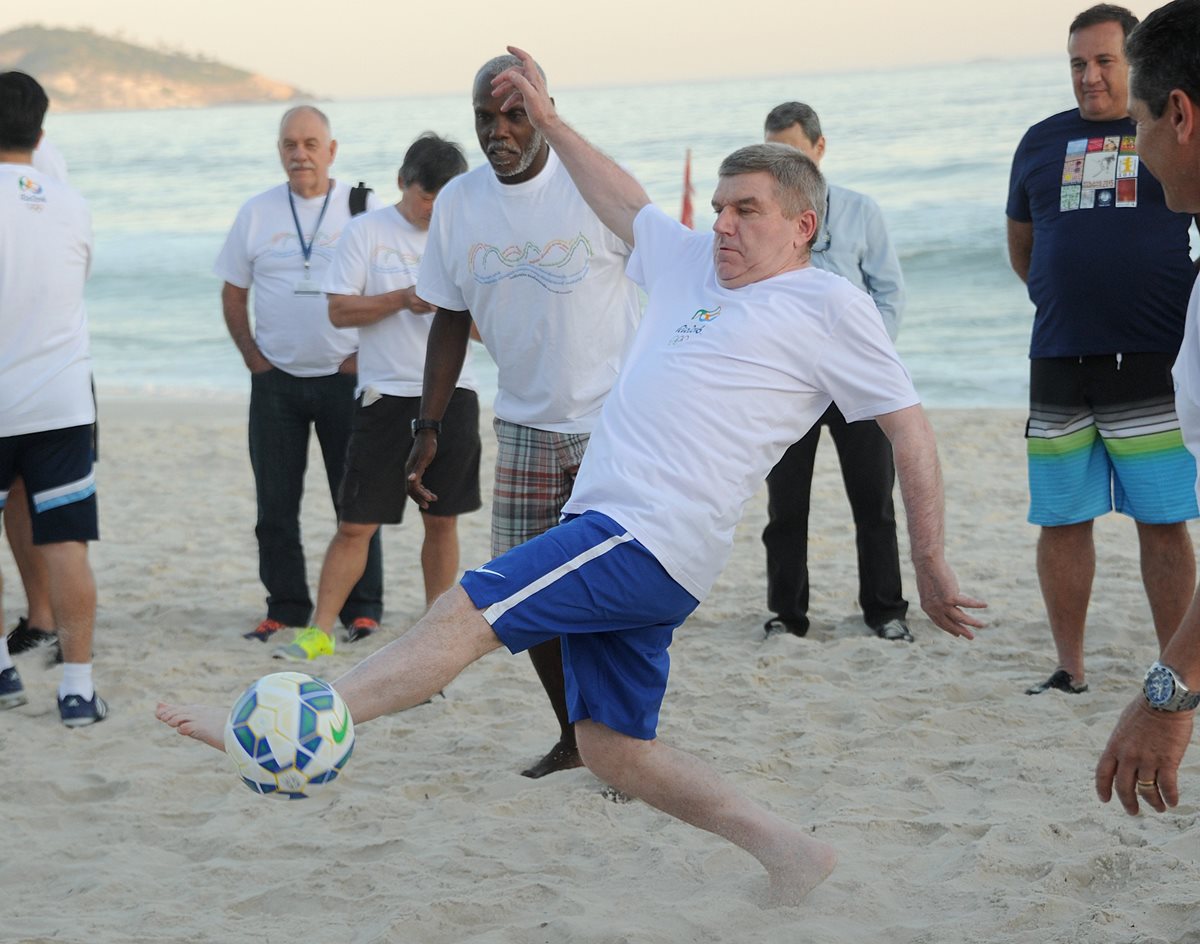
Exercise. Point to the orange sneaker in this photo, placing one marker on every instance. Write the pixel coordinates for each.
(264, 630)
(361, 628)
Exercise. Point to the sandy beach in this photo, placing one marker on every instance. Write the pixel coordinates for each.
(962, 810)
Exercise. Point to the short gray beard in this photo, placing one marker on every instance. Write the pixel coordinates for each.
(527, 156)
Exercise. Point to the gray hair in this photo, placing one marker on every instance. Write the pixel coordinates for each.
(494, 66)
(799, 186)
(782, 117)
(308, 108)
(1164, 55)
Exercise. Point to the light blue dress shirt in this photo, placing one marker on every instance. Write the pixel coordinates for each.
(854, 243)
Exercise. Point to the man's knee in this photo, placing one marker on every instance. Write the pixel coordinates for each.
(607, 753)
(439, 526)
(353, 532)
(1172, 538)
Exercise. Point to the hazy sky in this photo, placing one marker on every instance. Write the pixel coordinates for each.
(376, 48)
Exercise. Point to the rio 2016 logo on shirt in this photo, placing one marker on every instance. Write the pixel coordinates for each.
(555, 267)
(30, 190)
(695, 325)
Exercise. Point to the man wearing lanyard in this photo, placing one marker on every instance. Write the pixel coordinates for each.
(302, 369)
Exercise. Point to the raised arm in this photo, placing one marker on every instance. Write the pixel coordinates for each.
(920, 477)
(614, 196)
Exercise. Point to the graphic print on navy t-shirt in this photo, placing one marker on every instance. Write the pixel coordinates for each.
(1099, 172)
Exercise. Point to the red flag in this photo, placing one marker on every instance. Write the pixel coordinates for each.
(685, 214)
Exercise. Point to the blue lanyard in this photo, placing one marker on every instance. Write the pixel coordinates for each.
(307, 248)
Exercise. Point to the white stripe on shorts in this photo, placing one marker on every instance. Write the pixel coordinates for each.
(500, 607)
(65, 494)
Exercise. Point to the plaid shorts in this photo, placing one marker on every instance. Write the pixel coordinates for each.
(535, 472)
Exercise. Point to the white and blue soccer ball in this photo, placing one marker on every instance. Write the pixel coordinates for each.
(289, 734)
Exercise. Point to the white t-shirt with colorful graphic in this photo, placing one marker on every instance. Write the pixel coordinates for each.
(544, 280)
(1187, 380)
(45, 258)
(263, 253)
(381, 252)
(718, 383)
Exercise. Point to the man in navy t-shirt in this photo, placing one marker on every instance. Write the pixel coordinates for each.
(1107, 266)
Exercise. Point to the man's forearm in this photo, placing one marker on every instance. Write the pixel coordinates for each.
(236, 309)
(612, 193)
(1183, 651)
(354, 311)
(914, 448)
(444, 355)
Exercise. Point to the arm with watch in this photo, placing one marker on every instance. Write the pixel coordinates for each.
(1142, 757)
(444, 355)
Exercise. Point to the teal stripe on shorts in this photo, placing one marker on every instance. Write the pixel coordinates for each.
(1080, 475)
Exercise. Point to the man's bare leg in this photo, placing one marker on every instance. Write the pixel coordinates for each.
(72, 597)
(685, 787)
(30, 563)
(564, 755)
(1066, 565)
(344, 564)
(406, 672)
(439, 555)
(1168, 574)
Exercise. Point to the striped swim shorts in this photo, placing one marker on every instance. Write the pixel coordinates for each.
(535, 472)
(1103, 435)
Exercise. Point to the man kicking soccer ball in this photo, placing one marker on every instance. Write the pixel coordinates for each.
(742, 347)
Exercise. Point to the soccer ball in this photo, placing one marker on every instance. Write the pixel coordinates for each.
(289, 734)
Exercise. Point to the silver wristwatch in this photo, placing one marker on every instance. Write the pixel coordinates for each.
(1165, 691)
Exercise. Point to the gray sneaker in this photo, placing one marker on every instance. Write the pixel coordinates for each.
(895, 630)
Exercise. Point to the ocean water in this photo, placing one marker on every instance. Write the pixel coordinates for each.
(931, 145)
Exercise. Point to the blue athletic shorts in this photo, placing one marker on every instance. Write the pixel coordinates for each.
(590, 583)
(1103, 435)
(60, 480)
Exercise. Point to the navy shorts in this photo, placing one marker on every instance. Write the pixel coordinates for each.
(590, 583)
(373, 489)
(60, 480)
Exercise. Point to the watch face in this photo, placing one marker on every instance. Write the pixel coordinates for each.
(1160, 686)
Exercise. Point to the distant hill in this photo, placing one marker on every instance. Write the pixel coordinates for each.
(84, 71)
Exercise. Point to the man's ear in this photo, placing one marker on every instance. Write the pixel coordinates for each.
(1184, 115)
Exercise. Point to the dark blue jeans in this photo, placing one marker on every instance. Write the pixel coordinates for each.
(282, 408)
(869, 474)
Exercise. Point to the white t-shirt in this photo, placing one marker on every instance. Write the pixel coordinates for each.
(1187, 379)
(544, 280)
(49, 160)
(380, 252)
(263, 253)
(45, 258)
(717, 384)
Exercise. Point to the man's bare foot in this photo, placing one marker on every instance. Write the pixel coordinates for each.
(196, 721)
(803, 863)
(562, 756)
